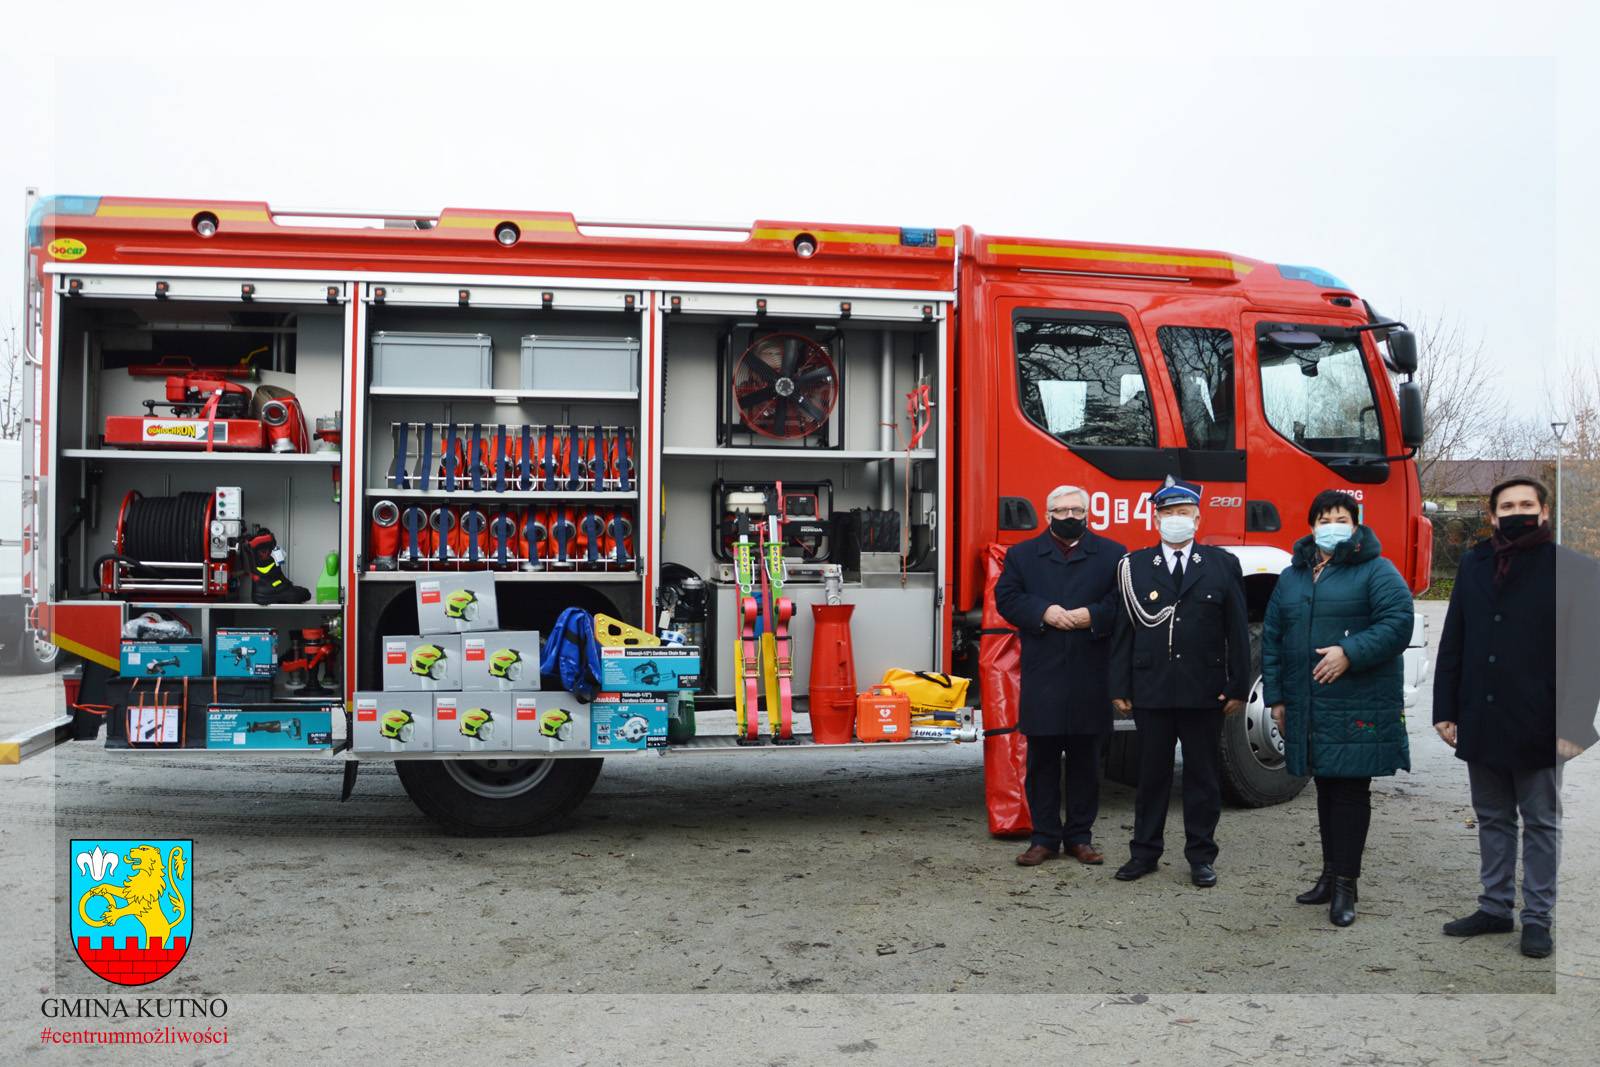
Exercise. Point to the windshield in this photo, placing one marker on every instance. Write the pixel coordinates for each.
(1320, 398)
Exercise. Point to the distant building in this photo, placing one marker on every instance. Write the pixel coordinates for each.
(1462, 485)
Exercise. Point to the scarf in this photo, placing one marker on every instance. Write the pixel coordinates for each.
(1505, 549)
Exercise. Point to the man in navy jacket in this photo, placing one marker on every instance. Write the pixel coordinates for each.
(1059, 591)
(1515, 698)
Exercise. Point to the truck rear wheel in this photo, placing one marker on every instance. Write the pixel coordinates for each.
(30, 653)
(498, 797)
(1253, 771)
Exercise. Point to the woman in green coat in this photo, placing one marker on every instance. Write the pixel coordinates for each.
(1337, 626)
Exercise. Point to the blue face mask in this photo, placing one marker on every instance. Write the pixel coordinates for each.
(1330, 535)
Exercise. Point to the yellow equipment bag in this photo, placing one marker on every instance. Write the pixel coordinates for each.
(928, 692)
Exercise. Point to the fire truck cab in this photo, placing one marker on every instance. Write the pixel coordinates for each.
(555, 413)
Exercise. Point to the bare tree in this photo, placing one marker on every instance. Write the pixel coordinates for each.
(1461, 413)
(1576, 401)
(11, 398)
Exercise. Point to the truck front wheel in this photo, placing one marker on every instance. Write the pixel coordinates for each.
(498, 797)
(1253, 770)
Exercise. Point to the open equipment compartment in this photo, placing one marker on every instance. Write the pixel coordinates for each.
(556, 532)
(826, 414)
(138, 363)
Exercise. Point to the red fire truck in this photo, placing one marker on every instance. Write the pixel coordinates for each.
(886, 401)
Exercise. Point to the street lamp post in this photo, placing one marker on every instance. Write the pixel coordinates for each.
(1560, 431)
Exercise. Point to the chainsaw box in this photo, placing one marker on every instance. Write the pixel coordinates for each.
(662, 669)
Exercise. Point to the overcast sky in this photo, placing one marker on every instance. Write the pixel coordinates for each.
(1458, 187)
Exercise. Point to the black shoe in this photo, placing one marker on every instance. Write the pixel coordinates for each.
(1135, 869)
(1342, 905)
(1479, 922)
(1320, 893)
(1536, 941)
(268, 583)
(1202, 875)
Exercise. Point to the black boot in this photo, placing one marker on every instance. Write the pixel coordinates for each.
(1342, 907)
(1320, 893)
(268, 582)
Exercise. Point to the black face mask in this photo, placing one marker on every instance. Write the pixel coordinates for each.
(1515, 527)
(1067, 529)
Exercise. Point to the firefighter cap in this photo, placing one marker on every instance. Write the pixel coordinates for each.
(1175, 491)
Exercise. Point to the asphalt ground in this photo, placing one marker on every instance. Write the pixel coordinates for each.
(789, 909)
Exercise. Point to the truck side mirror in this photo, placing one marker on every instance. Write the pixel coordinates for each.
(1403, 351)
(1410, 413)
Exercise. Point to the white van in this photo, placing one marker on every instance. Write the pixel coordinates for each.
(19, 650)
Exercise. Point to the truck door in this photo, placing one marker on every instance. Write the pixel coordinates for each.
(1196, 348)
(1077, 400)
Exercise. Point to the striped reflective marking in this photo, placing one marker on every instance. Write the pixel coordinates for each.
(854, 237)
(1103, 255)
(167, 211)
(489, 222)
(66, 644)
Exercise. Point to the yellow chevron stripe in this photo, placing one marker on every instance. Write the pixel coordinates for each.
(10, 753)
(66, 644)
(166, 211)
(1103, 255)
(489, 222)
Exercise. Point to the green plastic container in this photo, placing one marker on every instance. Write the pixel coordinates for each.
(680, 718)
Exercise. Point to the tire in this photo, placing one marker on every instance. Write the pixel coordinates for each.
(30, 654)
(498, 798)
(1122, 757)
(1253, 770)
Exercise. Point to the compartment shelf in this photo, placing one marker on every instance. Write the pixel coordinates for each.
(509, 576)
(509, 495)
(819, 455)
(509, 395)
(223, 605)
(169, 455)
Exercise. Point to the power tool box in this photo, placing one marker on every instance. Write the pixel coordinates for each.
(627, 721)
(245, 653)
(299, 726)
(163, 659)
(651, 669)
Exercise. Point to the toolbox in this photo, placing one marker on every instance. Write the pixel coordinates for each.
(162, 659)
(501, 660)
(457, 603)
(883, 715)
(422, 662)
(628, 721)
(245, 653)
(661, 669)
(578, 364)
(392, 722)
(472, 722)
(549, 722)
(432, 360)
(245, 726)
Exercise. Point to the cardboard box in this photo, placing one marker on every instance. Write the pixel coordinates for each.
(392, 722)
(162, 659)
(427, 662)
(664, 669)
(501, 660)
(244, 726)
(549, 722)
(454, 603)
(628, 721)
(245, 653)
(472, 722)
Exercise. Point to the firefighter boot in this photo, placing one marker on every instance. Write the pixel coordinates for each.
(268, 582)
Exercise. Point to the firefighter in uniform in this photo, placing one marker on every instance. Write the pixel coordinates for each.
(1180, 661)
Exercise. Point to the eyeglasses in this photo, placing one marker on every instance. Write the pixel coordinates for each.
(1068, 513)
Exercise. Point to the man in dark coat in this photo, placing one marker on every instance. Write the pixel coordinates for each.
(1180, 661)
(1501, 702)
(1058, 590)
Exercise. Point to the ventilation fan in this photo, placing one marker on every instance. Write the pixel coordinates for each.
(785, 386)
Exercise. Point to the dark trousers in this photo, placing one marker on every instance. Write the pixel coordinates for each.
(1344, 812)
(1199, 731)
(1499, 797)
(1081, 753)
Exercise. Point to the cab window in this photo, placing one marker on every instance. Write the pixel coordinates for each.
(1318, 393)
(1201, 364)
(1081, 380)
